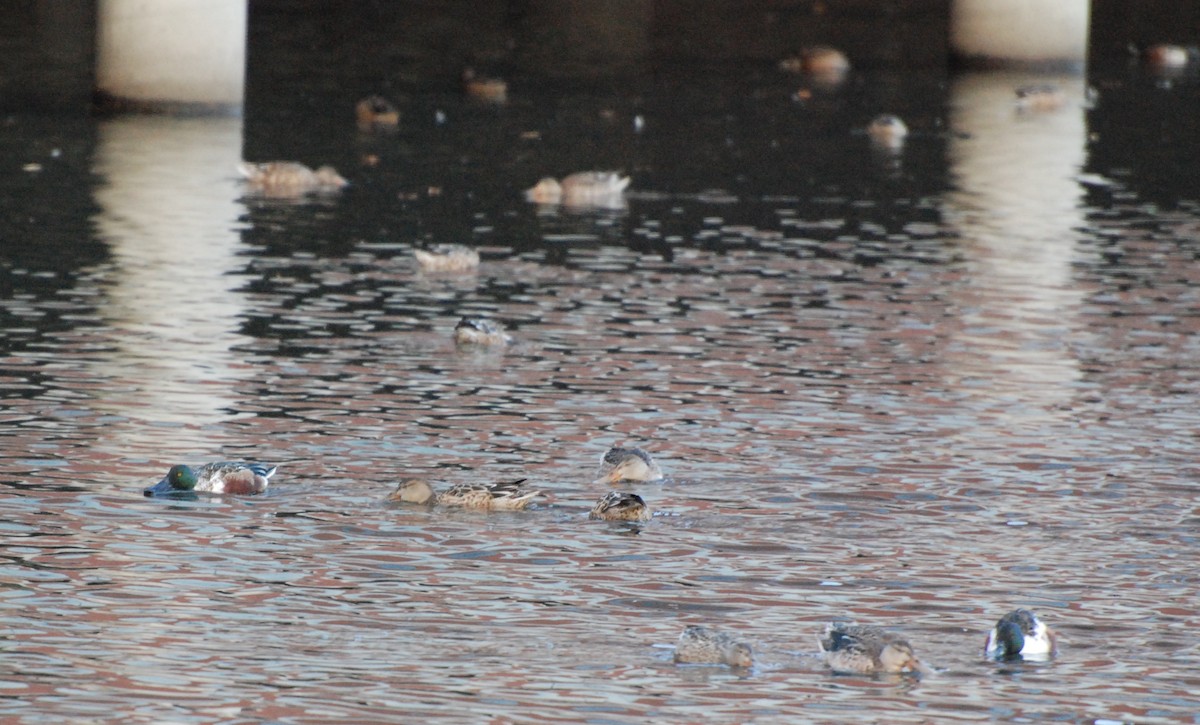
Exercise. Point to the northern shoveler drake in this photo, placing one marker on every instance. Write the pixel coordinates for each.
(447, 258)
(1020, 634)
(627, 464)
(822, 61)
(1042, 97)
(478, 331)
(507, 496)
(887, 132)
(225, 477)
(376, 113)
(620, 506)
(492, 90)
(604, 189)
(290, 179)
(867, 650)
(700, 645)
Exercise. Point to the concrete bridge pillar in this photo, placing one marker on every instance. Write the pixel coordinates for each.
(171, 55)
(1021, 33)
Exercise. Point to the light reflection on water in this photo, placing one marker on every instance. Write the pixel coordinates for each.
(170, 299)
(865, 411)
(1019, 297)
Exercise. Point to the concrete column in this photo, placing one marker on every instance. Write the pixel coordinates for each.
(1024, 33)
(171, 55)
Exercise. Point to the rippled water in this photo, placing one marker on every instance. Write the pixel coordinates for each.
(916, 392)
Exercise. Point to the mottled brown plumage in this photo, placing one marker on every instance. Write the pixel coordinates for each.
(700, 645)
(627, 464)
(447, 258)
(601, 189)
(289, 179)
(376, 113)
(620, 506)
(864, 649)
(505, 496)
(478, 331)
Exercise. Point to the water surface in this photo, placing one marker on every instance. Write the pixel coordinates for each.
(915, 391)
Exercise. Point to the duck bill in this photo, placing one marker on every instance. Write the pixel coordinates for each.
(921, 669)
(162, 488)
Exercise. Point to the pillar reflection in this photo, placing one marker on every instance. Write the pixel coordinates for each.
(1017, 208)
(169, 211)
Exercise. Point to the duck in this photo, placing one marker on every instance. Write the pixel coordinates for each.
(701, 645)
(506, 496)
(866, 650)
(887, 131)
(1040, 98)
(376, 113)
(492, 90)
(1167, 57)
(478, 331)
(822, 61)
(620, 506)
(1018, 635)
(225, 477)
(627, 464)
(289, 178)
(447, 258)
(582, 189)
